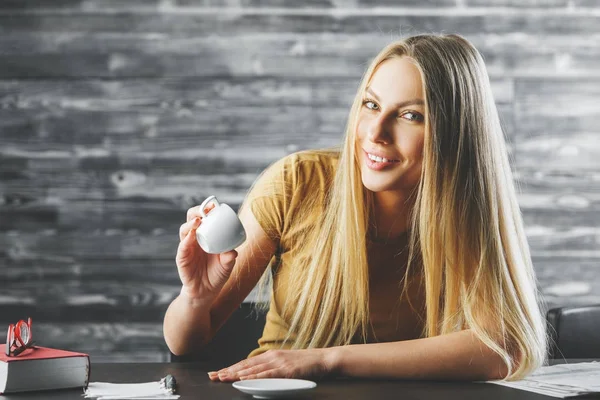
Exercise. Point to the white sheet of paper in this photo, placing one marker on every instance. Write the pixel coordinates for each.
(562, 380)
(138, 391)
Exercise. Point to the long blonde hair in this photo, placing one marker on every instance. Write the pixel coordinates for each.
(466, 231)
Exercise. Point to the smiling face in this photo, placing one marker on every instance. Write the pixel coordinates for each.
(391, 125)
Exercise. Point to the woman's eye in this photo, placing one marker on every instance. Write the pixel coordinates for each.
(367, 102)
(412, 116)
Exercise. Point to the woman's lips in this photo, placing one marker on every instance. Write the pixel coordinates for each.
(377, 166)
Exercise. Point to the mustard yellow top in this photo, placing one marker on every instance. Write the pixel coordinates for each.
(276, 198)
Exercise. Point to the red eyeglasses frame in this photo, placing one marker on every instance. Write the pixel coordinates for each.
(15, 338)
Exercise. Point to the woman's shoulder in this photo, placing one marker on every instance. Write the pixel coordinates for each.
(312, 164)
(325, 155)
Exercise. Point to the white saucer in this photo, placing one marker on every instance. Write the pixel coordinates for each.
(273, 387)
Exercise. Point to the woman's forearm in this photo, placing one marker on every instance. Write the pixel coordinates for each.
(457, 356)
(186, 326)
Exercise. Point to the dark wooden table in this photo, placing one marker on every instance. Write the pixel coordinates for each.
(193, 383)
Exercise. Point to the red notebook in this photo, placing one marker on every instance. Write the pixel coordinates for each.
(43, 368)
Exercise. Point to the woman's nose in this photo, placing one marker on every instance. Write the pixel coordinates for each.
(377, 131)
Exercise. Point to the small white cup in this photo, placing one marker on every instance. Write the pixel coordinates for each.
(221, 230)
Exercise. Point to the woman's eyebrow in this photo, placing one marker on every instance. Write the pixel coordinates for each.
(398, 105)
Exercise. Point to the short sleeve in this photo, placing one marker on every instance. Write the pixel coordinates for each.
(270, 196)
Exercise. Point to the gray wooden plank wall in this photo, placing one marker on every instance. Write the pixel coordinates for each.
(116, 116)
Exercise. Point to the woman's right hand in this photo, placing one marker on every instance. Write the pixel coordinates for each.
(203, 275)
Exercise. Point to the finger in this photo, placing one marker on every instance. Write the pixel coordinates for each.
(237, 376)
(186, 246)
(247, 363)
(270, 373)
(223, 376)
(228, 257)
(230, 373)
(195, 211)
(190, 237)
(188, 226)
(252, 370)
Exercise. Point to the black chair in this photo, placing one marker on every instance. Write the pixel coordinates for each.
(233, 342)
(574, 332)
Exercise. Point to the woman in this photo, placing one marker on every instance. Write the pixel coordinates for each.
(402, 255)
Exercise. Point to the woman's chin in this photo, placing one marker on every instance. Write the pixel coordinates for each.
(386, 184)
(374, 186)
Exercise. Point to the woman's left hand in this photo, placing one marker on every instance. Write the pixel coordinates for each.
(306, 363)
